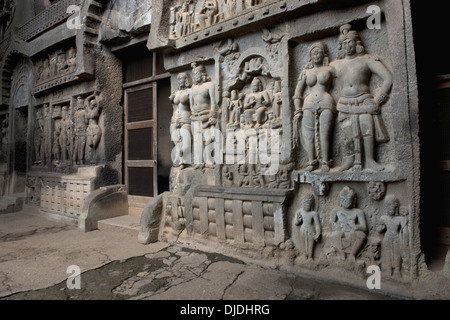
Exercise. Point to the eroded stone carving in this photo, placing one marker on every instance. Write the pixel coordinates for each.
(360, 109)
(396, 237)
(55, 68)
(181, 119)
(349, 228)
(316, 110)
(204, 111)
(93, 131)
(310, 229)
(256, 105)
(209, 13)
(46, 147)
(182, 20)
(65, 134)
(4, 139)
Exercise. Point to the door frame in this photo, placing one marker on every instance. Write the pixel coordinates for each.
(142, 125)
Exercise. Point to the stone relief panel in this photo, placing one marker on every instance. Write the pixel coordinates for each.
(343, 165)
(188, 16)
(56, 68)
(338, 108)
(67, 134)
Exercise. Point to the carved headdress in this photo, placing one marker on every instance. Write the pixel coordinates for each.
(347, 33)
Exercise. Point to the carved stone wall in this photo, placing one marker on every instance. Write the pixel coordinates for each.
(298, 128)
(63, 100)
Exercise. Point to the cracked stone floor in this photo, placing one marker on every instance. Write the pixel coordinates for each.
(36, 251)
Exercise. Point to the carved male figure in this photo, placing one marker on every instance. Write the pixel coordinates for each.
(71, 59)
(359, 109)
(310, 230)
(184, 20)
(204, 109)
(208, 13)
(181, 119)
(316, 110)
(56, 150)
(257, 101)
(349, 226)
(391, 224)
(65, 134)
(38, 137)
(46, 148)
(80, 126)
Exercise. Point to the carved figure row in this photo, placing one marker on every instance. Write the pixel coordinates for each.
(350, 230)
(56, 64)
(358, 108)
(76, 132)
(250, 176)
(184, 19)
(195, 110)
(259, 108)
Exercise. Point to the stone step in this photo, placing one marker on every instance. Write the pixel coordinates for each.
(135, 211)
(127, 224)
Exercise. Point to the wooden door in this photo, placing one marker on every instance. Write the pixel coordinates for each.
(141, 140)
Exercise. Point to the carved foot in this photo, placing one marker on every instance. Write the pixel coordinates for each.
(372, 165)
(348, 163)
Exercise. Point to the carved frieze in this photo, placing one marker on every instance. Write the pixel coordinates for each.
(55, 69)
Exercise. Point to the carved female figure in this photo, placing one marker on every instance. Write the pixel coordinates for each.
(93, 131)
(316, 111)
(235, 106)
(310, 229)
(180, 125)
(277, 101)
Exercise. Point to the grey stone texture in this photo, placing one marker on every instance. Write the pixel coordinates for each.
(36, 251)
(334, 101)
